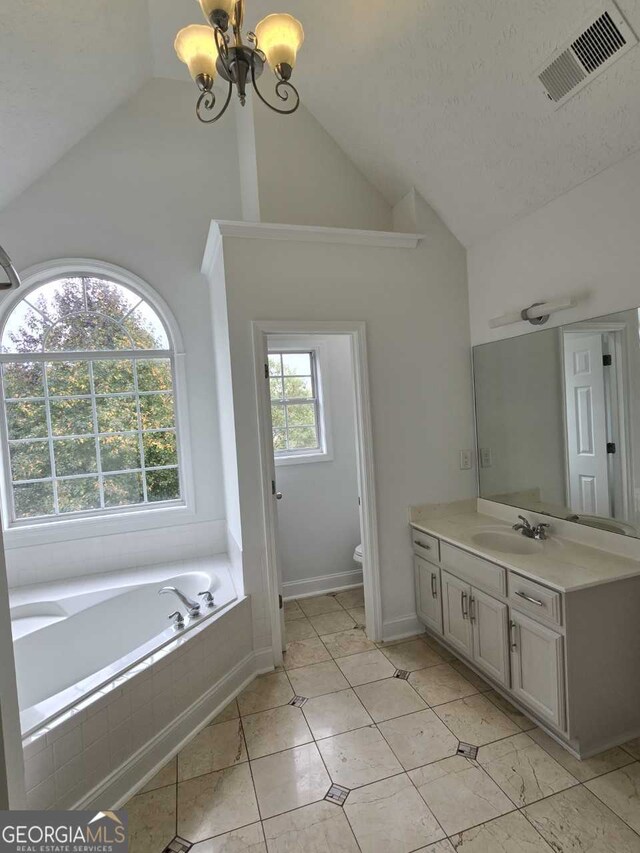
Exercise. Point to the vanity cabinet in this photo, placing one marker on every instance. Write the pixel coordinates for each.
(428, 593)
(561, 640)
(537, 667)
(475, 624)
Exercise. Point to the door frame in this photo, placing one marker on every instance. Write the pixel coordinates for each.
(356, 330)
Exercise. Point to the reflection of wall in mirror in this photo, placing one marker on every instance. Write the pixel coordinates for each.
(520, 420)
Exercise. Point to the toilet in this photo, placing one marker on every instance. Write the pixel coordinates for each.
(357, 554)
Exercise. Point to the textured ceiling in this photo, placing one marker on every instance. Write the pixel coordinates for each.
(444, 97)
(64, 65)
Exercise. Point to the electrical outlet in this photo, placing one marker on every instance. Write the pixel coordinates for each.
(485, 457)
(465, 460)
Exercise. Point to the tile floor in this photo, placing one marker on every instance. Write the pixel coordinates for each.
(370, 762)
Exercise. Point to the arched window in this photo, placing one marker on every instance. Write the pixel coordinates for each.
(88, 395)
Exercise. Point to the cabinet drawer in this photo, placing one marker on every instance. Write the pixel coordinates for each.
(475, 570)
(425, 546)
(535, 599)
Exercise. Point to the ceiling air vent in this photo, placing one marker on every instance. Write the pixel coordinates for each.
(604, 40)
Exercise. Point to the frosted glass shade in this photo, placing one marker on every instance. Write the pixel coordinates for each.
(280, 37)
(209, 6)
(196, 47)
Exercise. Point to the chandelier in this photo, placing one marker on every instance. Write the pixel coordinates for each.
(211, 51)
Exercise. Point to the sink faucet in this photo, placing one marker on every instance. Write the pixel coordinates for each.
(193, 608)
(538, 532)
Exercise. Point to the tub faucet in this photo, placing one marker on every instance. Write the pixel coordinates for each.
(178, 620)
(193, 608)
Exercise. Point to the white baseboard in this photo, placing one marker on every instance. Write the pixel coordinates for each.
(142, 766)
(405, 626)
(322, 584)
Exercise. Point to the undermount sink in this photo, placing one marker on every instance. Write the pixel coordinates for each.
(506, 543)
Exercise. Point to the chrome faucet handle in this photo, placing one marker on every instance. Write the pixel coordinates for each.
(540, 531)
(208, 597)
(525, 521)
(178, 619)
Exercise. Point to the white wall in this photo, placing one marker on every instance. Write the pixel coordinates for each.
(305, 178)
(140, 191)
(584, 243)
(414, 303)
(318, 517)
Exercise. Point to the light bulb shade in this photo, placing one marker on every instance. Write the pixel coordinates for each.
(211, 6)
(196, 47)
(280, 37)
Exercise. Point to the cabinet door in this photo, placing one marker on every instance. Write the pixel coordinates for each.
(455, 613)
(490, 635)
(537, 668)
(428, 599)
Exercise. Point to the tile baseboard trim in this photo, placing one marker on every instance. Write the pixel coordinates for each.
(322, 584)
(130, 777)
(405, 626)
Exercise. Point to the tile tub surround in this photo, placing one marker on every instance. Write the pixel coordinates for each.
(65, 762)
(408, 789)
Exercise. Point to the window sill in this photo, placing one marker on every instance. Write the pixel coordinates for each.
(303, 458)
(43, 533)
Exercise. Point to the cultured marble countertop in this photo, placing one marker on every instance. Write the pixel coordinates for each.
(561, 564)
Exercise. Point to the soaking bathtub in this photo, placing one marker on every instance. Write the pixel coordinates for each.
(73, 637)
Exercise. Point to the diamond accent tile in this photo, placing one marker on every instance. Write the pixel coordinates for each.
(337, 795)
(178, 845)
(468, 750)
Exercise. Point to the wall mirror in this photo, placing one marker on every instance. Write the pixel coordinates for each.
(558, 421)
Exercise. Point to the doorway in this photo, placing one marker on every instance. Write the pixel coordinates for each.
(318, 484)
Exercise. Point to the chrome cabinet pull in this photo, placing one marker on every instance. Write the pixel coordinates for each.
(512, 631)
(421, 544)
(528, 598)
(434, 586)
(472, 609)
(463, 605)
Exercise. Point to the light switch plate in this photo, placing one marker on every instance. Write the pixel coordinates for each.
(465, 460)
(485, 457)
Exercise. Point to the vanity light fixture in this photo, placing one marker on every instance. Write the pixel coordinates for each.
(10, 270)
(209, 51)
(537, 314)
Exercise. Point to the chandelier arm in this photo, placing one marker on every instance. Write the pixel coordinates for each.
(283, 90)
(223, 48)
(206, 104)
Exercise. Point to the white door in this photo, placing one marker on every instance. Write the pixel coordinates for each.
(537, 668)
(455, 613)
(490, 635)
(428, 601)
(586, 424)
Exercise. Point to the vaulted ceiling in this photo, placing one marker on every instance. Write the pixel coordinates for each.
(64, 65)
(437, 94)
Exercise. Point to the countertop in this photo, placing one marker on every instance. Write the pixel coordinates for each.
(561, 564)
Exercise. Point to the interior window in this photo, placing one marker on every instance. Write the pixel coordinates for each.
(88, 395)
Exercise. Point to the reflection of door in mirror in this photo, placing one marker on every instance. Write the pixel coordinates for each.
(586, 416)
(597, 358)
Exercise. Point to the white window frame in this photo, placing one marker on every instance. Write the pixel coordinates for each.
(24, 532)
(323, 453)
